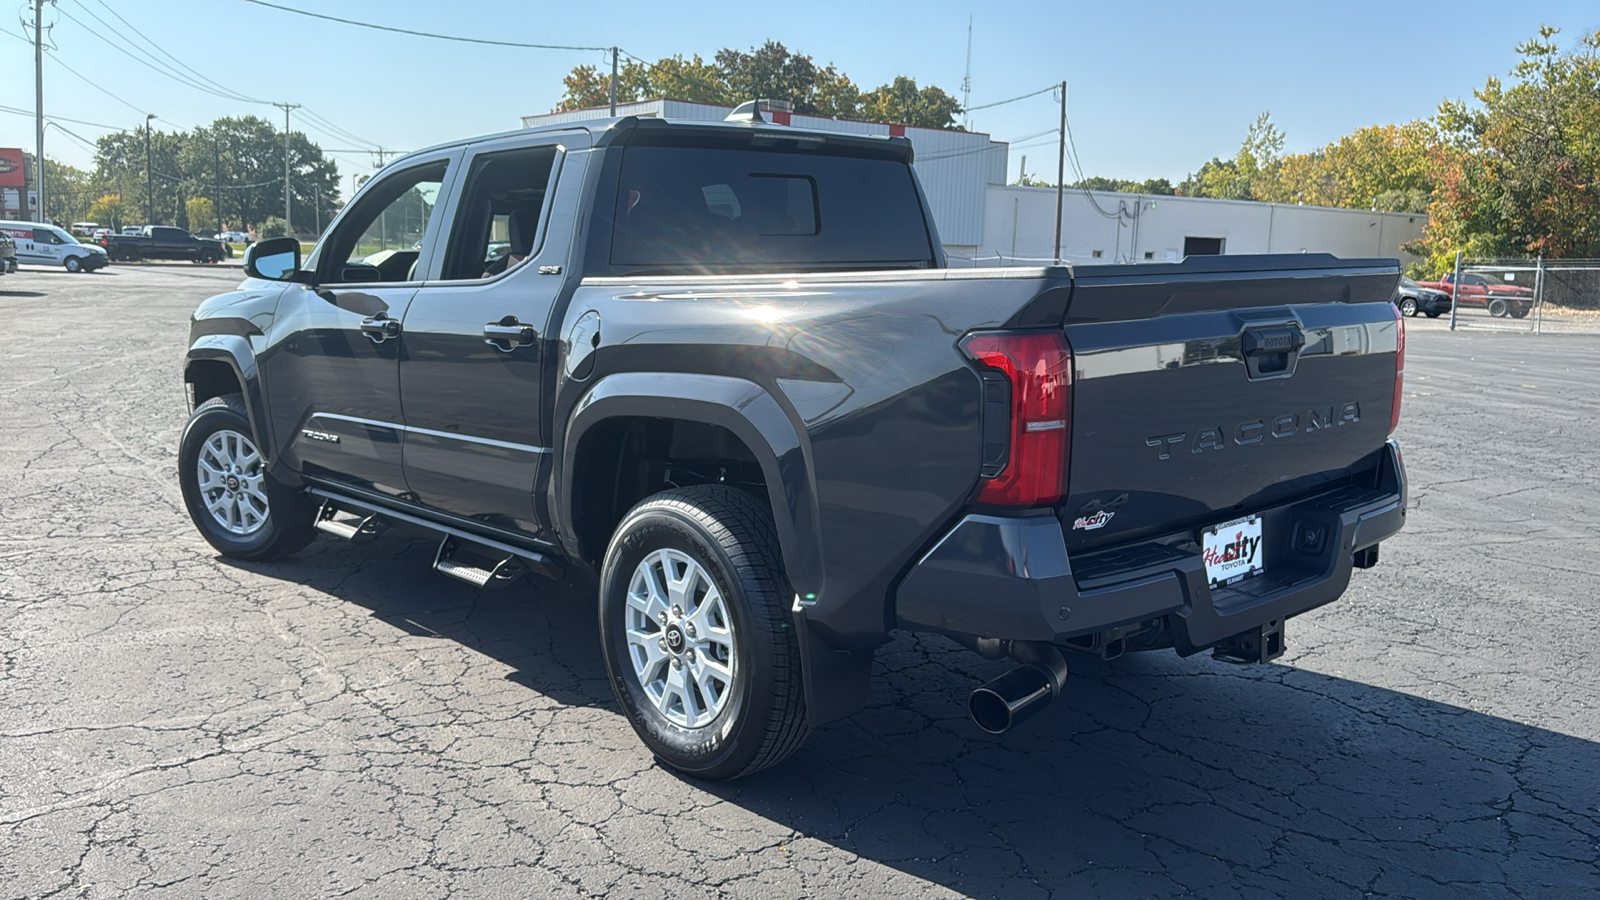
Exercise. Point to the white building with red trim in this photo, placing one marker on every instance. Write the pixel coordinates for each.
(983, 221)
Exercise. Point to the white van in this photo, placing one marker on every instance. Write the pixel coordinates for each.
(39, 244)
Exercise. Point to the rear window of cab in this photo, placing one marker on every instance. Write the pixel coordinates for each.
(704, 208)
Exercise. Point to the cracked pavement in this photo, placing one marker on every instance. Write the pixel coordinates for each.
(347, 723)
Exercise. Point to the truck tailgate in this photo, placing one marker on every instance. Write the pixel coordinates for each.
(1209, 389)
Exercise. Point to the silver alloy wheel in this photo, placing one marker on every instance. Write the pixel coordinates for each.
(230, 475)
(680, 638)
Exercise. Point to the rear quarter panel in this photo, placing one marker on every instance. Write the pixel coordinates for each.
(867, 369)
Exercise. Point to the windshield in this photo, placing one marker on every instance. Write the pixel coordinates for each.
(1408, 283)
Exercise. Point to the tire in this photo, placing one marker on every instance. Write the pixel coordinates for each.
(1499, 308)
(1408, 307)
(759, 716)
(1433, 315)
(272, 521)
(1520, 311)
(73, 264)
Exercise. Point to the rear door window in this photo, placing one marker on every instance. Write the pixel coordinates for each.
(717, 208)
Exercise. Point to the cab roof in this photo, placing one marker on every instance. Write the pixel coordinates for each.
(619, 129)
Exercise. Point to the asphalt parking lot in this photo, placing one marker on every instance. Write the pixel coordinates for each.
(347, 723)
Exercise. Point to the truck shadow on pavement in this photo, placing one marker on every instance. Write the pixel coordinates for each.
(1155, 776)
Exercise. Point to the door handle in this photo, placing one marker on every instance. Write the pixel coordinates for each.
(508, 334)
(380, 328)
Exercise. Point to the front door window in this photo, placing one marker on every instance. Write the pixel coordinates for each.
(383, 238)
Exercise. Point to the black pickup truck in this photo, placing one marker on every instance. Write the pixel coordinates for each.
(163, 242)
(723, 367)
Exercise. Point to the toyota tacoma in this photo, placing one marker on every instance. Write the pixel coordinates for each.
(723, 367)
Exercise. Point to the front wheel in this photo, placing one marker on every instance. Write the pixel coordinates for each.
(1433, 315)
(696, 633)
(240, 509)
(73, 264)
(1408, 306)
(1520, 311)
(1499, 308)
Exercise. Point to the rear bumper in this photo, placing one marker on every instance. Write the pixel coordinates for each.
(1011, 578)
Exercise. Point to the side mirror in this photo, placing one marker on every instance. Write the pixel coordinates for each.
(275, 259)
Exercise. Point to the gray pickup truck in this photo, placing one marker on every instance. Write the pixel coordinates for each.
(724, 368)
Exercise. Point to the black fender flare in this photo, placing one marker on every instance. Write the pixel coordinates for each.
(743, 408)
(236, 351)
(836, 681)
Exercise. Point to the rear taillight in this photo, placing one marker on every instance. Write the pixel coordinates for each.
(1037, 367)
(1399, 368)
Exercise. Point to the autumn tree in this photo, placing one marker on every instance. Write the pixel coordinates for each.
(768, 72)
(1519, 172)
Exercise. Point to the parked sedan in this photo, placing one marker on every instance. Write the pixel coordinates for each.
(1413, 298)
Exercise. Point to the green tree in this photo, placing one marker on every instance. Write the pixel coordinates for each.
(768, 72)
(237, 160)
(691, 79)
(109, 210)
(587, 87)
(836, 95)
(903, 102)
(1160, 186)
(202, 214)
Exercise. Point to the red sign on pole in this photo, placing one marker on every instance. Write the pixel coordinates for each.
(11, 174)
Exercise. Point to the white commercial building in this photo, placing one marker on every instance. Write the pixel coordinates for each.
(985, 222)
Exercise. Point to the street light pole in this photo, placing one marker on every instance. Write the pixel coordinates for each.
(149, 189)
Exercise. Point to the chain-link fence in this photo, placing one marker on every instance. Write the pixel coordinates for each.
(1534, 295)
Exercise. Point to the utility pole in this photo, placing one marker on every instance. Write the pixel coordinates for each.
(287, 222)
(38, 109)
(1061, 170)
(613, 85)
(216, 192)
(966, 80)
(149, 188)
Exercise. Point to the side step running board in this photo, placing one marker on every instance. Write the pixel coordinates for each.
(367, 527)
(446, 562)
(508, 561)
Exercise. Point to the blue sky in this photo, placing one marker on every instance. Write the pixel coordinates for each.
(1155, 88)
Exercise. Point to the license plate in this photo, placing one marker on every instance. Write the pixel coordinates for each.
(1232, 551)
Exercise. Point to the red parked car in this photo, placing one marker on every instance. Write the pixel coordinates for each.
(1501, 298)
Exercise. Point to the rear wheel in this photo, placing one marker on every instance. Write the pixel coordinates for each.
(1408, 306)
(73, 264)
(695, 630)
(240, 509)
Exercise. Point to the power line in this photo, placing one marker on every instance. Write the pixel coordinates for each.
(426, 34)
(984, 105)
(29, 113)
(167, 71)
(334, 129)
(164, 52)
(94, 84)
